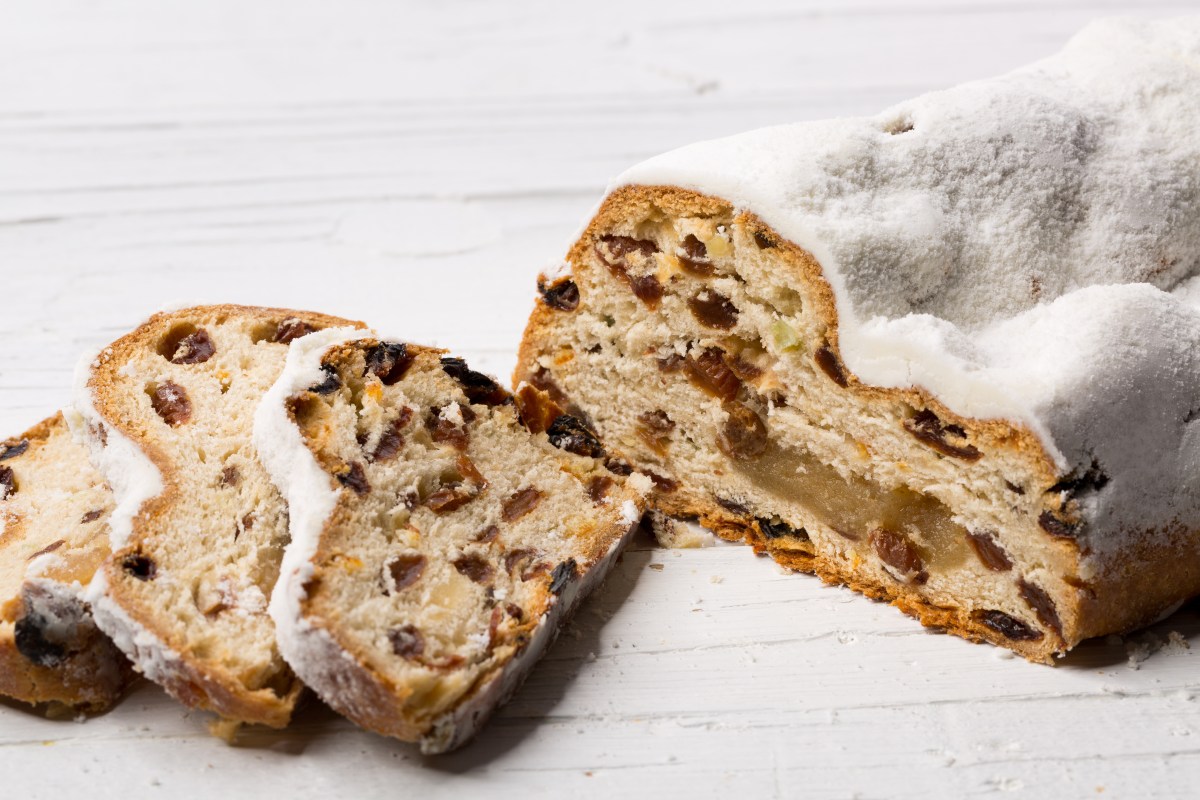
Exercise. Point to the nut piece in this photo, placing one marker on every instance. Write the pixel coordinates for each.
(407, 641)
(389, 361)
(562, 295)
(948, 440)
(195, 348)
(570, 434)
(897, 552)
(406, 570)
(989, 551)
(744, 435)
(520, 503)
(713, 309)
(1007, 626)
(171, 402)
(478, 387)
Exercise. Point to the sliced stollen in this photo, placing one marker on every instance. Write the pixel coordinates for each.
(948, 355)
(54, 511)
(439, 537)
(199, 529)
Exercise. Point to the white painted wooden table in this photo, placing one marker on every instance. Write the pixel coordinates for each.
(414, 164)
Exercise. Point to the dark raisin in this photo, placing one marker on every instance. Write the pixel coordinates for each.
(742, 368)
(744, 435)
(331, 382)
(406, 570)
(520, 503)
(1012, 487)
(451, 497)
(763, 241)
(672, 363)
(647, 289)
(563, 574)
(928, 428)
(391, 440)
(536, 409)
(1007, 626)
(615, 250)
(519, 559)
(694, 257)
(1041, 604)
(515, 611)
(11, 449)
(563, 295)
(195, 348)
(1054, 526)
(479, 388)
(291, 328)
(654, 427)
(661, 482)
(777, 529)
(475, 567)
(29, 635)
(570, 434)
(231, 476)
(139, 566)
(50, 548)
(389, 361)
(248, 521)
(171, 402)
(731, 505)
(354, 477)
(598, 487)
(407, 641)
(713, 309)
(830, 365)
(91, 516)
(445, 431)
(618, 466)
(488, 534)
(709, 371)
(1074, 485)
(989, 551)
(8, 483)
(898, 552)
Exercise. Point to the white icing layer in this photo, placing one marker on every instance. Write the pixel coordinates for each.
(1026, 247)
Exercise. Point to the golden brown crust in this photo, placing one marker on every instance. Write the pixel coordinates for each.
(195, 682)
(1147, 580)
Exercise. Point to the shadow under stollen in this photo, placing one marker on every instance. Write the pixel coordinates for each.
(1180, 630)
(551, 677)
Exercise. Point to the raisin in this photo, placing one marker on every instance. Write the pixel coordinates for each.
(570, 434)
(536, 409)
(391, 440)
(661, 482)
(406, 570)
(618, 466)
(562, 295)
(742, 368)
(475, 567)
(29, 635)
(763, 241)
(830, 365)
(91, 516)
(479, 388)
(654, 428)
(898, 552)
(519, 558)
(672, 363)
(291, 328)
(777, 529)
(710, 372)
(50, 548)
(231, 476)
(515, 611)
(1012, 487)
(713, 309)
(354, 477)
(744, 435)
(195, 348)
(1041, 604)
(1007, 626)
(407, 641)
(563, 574)
(520, 503)
(445, 431)
(544, 381)
(1054, 526)
(389, 361)
(171, 402)
(928, 428)
(488, 534)
(451, 497)
(1092, 480)
(645, 287)
(694, 257)
(331, 382)
(11, 449)
(139, 566)
(8, 482)
(598, 487)
(989, 551)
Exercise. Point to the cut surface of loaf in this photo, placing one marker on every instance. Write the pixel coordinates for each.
(54, 511)
(199, 529)
(437, 542)
(846, 344)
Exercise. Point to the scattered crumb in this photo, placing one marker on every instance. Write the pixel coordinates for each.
(656, 567)
(677, 534)
(716, 579)
(1176, 641)
(1142, 648)
(224, 729)
(1003, 654)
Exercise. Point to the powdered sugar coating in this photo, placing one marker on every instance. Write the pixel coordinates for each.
(1026, 248)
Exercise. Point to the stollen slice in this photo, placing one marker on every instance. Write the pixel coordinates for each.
(441, 531)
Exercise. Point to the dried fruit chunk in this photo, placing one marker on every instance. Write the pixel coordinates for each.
(291, 328)
(654, 428)
(744, 435)
(713, 309)
(405, 570)
(763, 241)
(170, 401)
(778, 529)
(475, 567)
(896, 551)
(598, 487)
(139, 566)
(30, 637)
(693, 257)
(389, 361)
(353, 476)
(330, 384)
(562, 295)
(928, 428)
(91, 516)
(8, 482)
(1042, 605)
(195, 348)
(12, 449)
(830, 365)
(709, 371)
(570, 434)
(1055, 526)
(536, 409)
(563, 574)
(407, 641)
(1008, 626)
(479, 388)
(392, 440)
(488, 534)
(447, 425)
(520, 503)
(615, 252)
(989, 551)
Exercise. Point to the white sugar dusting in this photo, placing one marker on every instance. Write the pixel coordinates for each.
(1026, 248)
